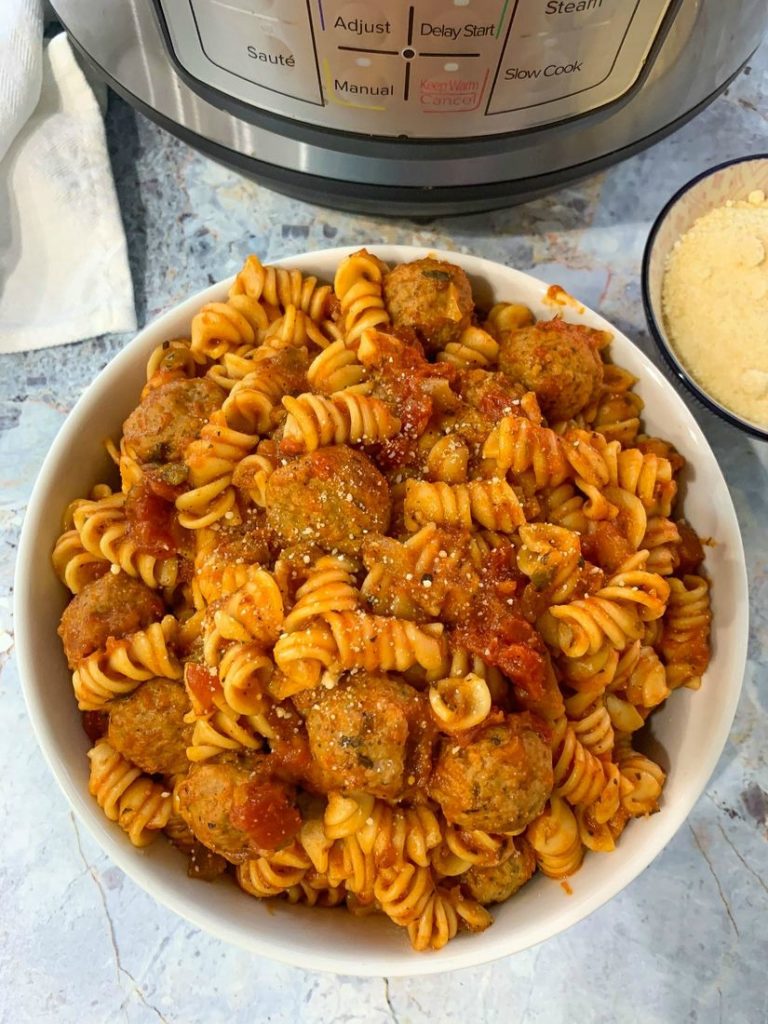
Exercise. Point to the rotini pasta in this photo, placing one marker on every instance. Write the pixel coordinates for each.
(519, 446)
(337, 368)
(211, 461)
(104, 532)
(358, 287)
(685, 640)
(489, 503)
(475, 348)
(117, 669)
(343, 419)
(281, 288)
(220, 327)
(140, 806)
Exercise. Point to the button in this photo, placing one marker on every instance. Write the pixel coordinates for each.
(556, 16)
(459, 28)
(368, 82)
(362, 25)
(257, 45)
(539, 68)
(290, 12)
(451, 87)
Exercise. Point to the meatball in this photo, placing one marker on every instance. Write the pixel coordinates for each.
(112, 606)
(235, 812)
(432, 298)
(557, 360)
(492, 394)
(332, 497)
(361, 734)
(243, 544)
(487, 396)
(496, 884)
(205, 800)
(498, 781)
(148, 727)
(169, 418)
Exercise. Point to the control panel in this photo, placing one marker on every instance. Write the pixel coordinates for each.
(451, 69)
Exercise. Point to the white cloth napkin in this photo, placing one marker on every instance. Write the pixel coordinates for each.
(64, 272)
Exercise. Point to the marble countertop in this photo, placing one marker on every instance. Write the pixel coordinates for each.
(687, 941)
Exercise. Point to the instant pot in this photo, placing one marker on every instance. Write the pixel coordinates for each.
(418, 108)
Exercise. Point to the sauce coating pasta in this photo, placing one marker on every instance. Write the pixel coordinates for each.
(387, 589)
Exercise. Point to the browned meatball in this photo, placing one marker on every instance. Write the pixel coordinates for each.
(242, 544)
(148, 727)
(499, 781)
(361, 734)
(170, 417)
(557, 360)
(206, 801)
(432, 298)
(488, 396)
(498, 883)
(492, 394)
(112, 606)
(238, 813)
(332, 497)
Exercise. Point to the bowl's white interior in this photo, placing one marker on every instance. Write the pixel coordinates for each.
(691, 728)
(734, 181)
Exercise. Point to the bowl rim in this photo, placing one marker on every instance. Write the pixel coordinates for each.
(657, 330)
(258, 940)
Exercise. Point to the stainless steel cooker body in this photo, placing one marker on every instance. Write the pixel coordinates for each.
(422, 107)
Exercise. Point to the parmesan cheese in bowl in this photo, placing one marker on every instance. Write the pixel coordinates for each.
(705, 288)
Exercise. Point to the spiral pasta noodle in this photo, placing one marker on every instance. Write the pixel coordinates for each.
(475, 348)
(273, 874)
(358, 287)
(685, 640)
(140, 806)
(245, 671)
(555, 840)
(252, 612)
(330, 587)
(252, 401)
(551, 557)
(74, 565)
(117, 669)
(508, 316)
(519, 446)
(489, 503)
(459, 703)
(225, 732)
(251, 475)
(279, 288)
(220, 327)
(103, 530)
(211, 461)
(447, 460)
(661, 541)
(314, 421)
(585, 625)
(295, 329)
(337, 368)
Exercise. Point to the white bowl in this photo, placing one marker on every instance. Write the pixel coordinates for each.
(691, 728)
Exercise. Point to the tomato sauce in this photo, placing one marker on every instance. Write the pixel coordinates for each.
(152, 523)
(203, 686)
(266, 813)
(95, 724)
(691, 552)
(497, 632)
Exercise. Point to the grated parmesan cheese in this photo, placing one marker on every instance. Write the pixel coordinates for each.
(715, 304)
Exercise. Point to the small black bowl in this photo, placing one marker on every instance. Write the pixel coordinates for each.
(734, 179)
